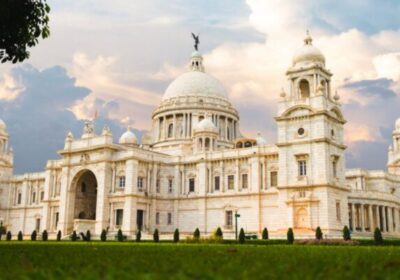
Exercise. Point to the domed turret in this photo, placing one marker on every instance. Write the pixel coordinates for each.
(260, 140)
(206, 125)
(308, 54)
(128, 138)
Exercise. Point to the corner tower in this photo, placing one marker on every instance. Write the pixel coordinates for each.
(394, 151)
(311, 150)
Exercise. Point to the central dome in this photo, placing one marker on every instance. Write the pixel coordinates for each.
(308, 54)
(195, 83)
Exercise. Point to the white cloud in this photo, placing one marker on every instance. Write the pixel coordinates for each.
(10, 87)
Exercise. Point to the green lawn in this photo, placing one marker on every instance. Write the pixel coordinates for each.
(113, 260)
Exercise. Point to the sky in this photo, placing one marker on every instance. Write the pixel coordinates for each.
(118, 57)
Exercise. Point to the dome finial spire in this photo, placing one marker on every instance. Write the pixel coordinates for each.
(308, 39)
(196, 41)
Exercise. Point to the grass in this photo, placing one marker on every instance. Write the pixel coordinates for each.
(113, 260)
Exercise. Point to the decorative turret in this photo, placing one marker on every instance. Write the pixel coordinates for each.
(205, 136)
(394, 151)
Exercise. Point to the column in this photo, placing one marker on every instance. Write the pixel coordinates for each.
(371, 220)
(378, 217)
(184, 125)
(103, 189)
(383, 219)
(353, 216)
(238, 187)
(390, 219)
(174, 126)
(362, 217)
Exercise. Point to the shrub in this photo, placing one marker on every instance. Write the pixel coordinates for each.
(33, 235)
(103, 235)
(138, 236)
(59, 235)
(318, 233)
(218, 234)
(265, 234)
(196, 234)
(20, 236)
(8, 236)
(74, 236)
(88, 236)
(45, 236)
(120, 236)
(2, 230)
(290, 236)
(156, 236)
(241, 236)
(378, 237)
(346, 233)
(176, 235)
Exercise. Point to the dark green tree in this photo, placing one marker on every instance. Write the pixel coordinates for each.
(219, 233)
(120, 236)
(176, 235)
(33, 235)
(346, 233)
(156, 236)
(8, 236)
(45, 236)
(378, 237)
(2, 230)
(22, 24)
(88, 236)
(138, 235)
(290, 236)
(318, 233)
(196, 234)
(265, 234)
(103, 235)
(74, 236)
(59, 235)
(20, 236)
(242, 237)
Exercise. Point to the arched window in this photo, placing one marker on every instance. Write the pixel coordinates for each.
(200, 143)
(207, 143)
(170, 130)
(228, 133)
(304, 89)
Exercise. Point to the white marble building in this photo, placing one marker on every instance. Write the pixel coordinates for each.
(194, 169)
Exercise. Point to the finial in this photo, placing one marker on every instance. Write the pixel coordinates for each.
(283, 93)
(308, 39)
(196, 41)
(336, 97)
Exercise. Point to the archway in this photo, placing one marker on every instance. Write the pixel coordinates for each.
(301, 218)
(85, 196)
(304, 89)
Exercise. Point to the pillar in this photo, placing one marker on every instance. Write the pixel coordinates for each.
(362, 217)
(371, 221)
(353, 221)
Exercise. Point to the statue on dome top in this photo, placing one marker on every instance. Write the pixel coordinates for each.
(196, 41)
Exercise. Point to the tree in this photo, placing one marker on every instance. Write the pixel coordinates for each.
(22, 23)
(59, 235)
(120, 236)
(88, 236)
(290, 236)
(156, 236)
(138, 236)
(20, 236)
(318, 233)
(2, 230)
(103, 235)
(8, 236)
(196, 234)
(378, 237)
(176, 235)
(219, 234)
(74, 236)
(265, 234)
(45, 236)
(241, 236)
(33, 235)
(346, 233)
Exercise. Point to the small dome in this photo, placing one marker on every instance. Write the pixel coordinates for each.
(260, 140)
(2, 125)
(308, 54)
(398, 124)
(205, 124)
(128, 137)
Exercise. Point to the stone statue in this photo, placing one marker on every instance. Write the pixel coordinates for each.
(196, 41)
(88, 128)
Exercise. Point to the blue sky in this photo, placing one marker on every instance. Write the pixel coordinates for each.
(118, 57)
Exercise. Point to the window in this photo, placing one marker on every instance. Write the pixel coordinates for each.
(304, 89)
(158, 184)
(216, 183)
(41, 196)
(170, 184)
(119, 215)
(231, 182)
(170, 130)
(245, 182)
(191, 185)
(300, 131)
(338, 216)
(228, 218)
(274, 178)
(169, 220)
(122, 180)
(19, 198)
(140, 184)
(157, 218)
(37, 227)
(334, 169)
(83, 187)
(302, 168)
(33, 197)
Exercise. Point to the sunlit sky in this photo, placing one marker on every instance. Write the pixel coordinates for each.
(118, 57)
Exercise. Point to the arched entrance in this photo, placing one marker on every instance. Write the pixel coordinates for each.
(85, 196)
(301, 218)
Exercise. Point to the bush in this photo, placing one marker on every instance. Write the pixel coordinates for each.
(265, 234)
(318, 233)
(346, 233)
(45, 236)
(156, 236)
(59, 235)
(176, 235)
(33, 235)
(120, 236)
(242, 237)
(196, 234)
(103, 235)
(88, 236)
(138, 236)
(218, 233)
(290, 236)
(378, 237)
(74, 236)
(20, 236)
(8, 236)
